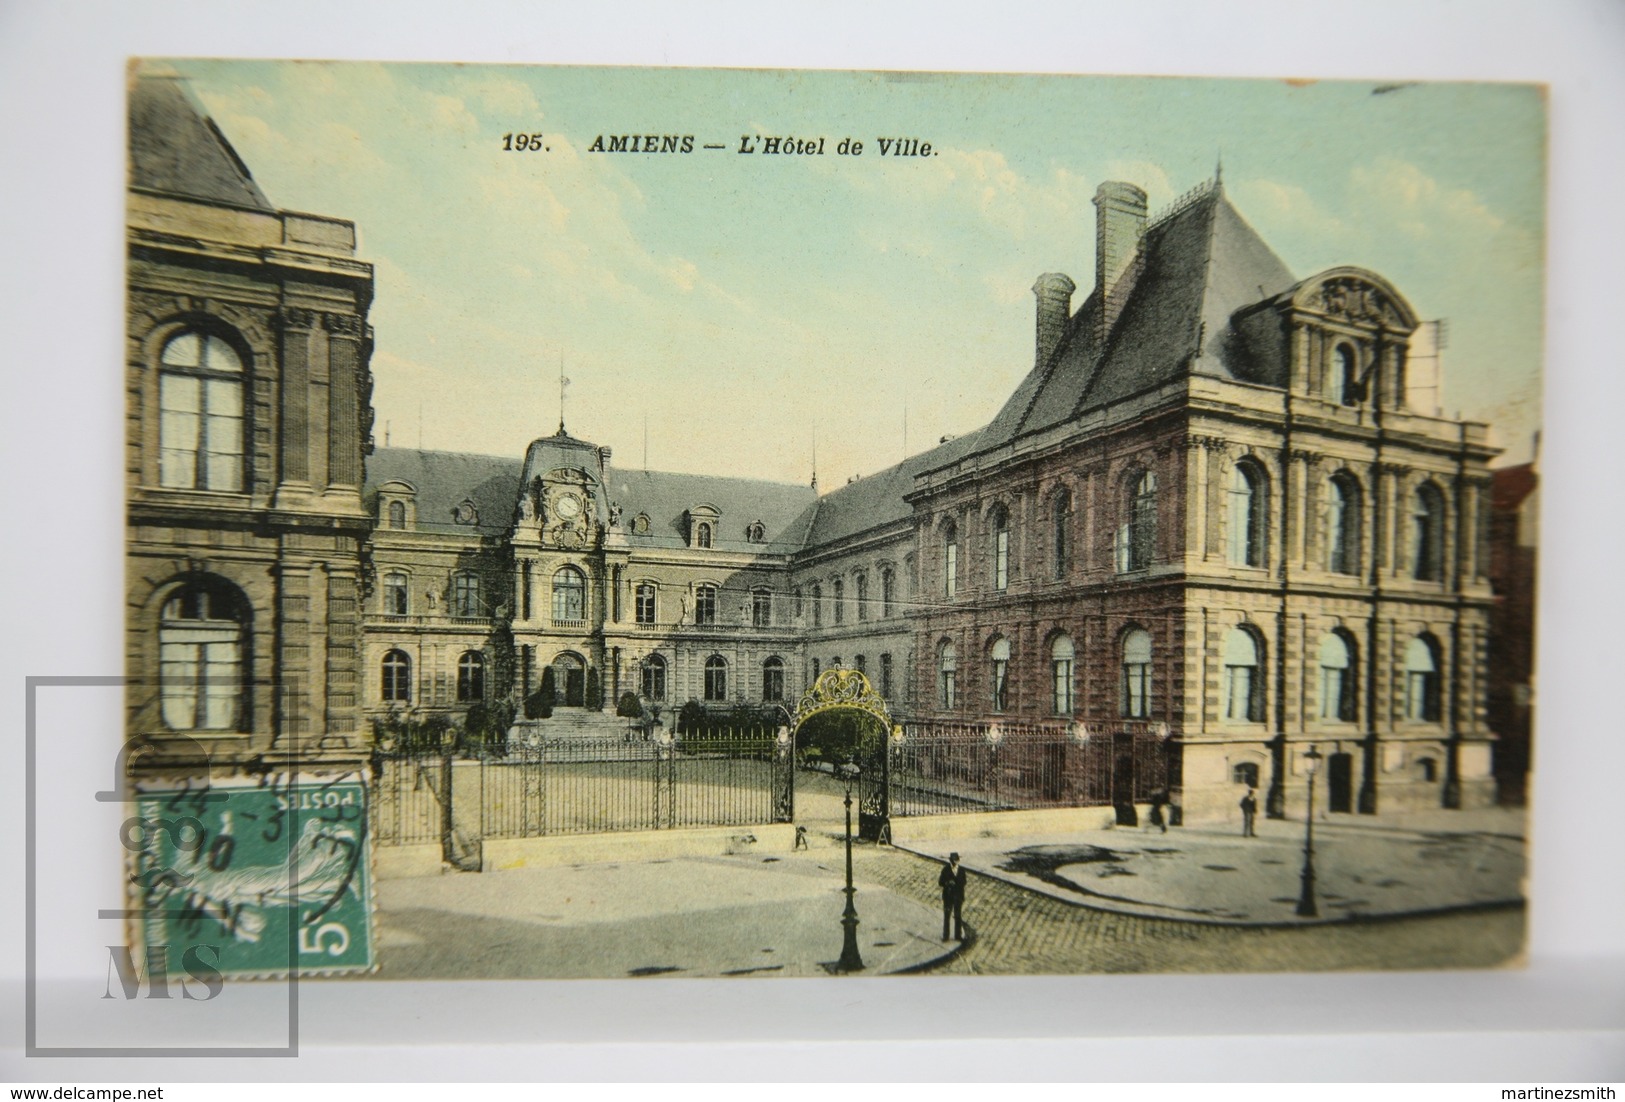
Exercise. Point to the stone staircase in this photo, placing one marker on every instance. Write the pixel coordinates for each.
(572, 723)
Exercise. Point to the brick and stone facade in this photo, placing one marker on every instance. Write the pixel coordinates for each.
(249, 409)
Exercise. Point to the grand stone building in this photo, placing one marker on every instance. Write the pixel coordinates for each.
(1211, 509)
(249, 409)
(1216, 509)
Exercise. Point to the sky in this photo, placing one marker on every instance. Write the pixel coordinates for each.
(727, 313)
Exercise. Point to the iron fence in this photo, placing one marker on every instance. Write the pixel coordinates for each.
(586, 786)
(943, 768)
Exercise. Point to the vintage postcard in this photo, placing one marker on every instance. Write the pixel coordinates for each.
(653, 522)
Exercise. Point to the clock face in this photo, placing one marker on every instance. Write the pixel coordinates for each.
(569, 505)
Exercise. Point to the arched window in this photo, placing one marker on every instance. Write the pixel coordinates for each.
(818, 606)
(815, 669)
(761, 608)
(860, 592)
(1062, 537)
(1347, 379)
(397, 595)
(1422, 702)
(773, 680)
(465, 596)
(397, 514)
(1245, 515)
(654, 678)
(1137, 674)
(888, 591)
(948, 676)
(1427, 534)
(200, 414)
(1246, 773)
(1001, 548)
(1061, 654)
(1137, 536)
(1343, 524)
(950, 560)
(885, 676)
(569, 596)
(1427, 770)
(397, 678)
(1000, 655)
(837, 599)
(471, 677)
(202, 631)
(1337, 677)
(705, 605)
(646, 603)
(716, 678)
(702, 535)
(1243, 678)
(861, 664)
(756, 533)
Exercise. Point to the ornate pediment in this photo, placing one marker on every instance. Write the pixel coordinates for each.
(1357, 297)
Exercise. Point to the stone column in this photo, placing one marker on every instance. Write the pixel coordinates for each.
(343, 400)
(298, 338)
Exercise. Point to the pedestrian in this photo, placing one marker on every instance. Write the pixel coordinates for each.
(1249, 812)
(952, 882)
(1157, 818)
(801, 838)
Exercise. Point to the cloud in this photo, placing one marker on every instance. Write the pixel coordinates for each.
(1417, 203)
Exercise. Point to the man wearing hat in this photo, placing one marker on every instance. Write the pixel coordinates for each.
(952, 883)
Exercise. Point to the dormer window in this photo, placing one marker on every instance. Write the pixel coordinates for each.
(466, 513)
(701, 522)
(640, 524)
(756, 533)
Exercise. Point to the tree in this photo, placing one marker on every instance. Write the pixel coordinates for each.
(539, 704)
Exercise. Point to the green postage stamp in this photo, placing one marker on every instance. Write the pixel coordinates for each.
(251, 881)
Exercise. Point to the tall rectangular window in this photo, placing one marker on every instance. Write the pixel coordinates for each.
(705, 605)
(885, 676)
(646, 603)
(465, 595)
(761, 608)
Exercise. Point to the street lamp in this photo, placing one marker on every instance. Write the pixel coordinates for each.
(850, 960)
(1306, 898)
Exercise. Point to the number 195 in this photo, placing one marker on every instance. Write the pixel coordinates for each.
(522, 142)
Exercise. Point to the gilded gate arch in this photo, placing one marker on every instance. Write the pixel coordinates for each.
(842, 689)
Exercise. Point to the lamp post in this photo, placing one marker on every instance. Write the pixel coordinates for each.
(850, 960)
(1306, 898)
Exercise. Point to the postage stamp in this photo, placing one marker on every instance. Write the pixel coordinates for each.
(640, 522)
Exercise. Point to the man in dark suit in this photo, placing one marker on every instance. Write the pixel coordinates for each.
(952, 882)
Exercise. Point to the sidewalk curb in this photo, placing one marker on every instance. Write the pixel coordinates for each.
(1267, 924)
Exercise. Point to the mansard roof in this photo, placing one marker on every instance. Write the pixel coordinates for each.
(444, 480)
(1198, 266)
(665, 497)
(176, 148)
(876, 500)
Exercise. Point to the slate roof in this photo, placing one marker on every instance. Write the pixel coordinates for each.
(664, 496)
(443, 480)
(175, 147)
(877, 499)
(1198, 266)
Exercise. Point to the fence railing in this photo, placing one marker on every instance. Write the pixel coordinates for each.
(585, 786)
(938, 769)
(596, 785)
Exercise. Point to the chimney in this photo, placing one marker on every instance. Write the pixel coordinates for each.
(1054, 292)
(1119, 223)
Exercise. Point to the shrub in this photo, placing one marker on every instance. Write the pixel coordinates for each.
(595, 690)
(539, 704)
(691, 718)
(629, 706)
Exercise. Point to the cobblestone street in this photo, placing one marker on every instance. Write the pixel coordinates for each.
(1016, 931)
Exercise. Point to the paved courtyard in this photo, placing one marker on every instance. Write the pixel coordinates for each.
(1405, 865)
(1400, 894)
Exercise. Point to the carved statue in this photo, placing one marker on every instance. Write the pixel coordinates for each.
(614, 514)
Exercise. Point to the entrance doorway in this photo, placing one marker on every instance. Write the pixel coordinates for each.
(569, 681)
(1340, 782)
